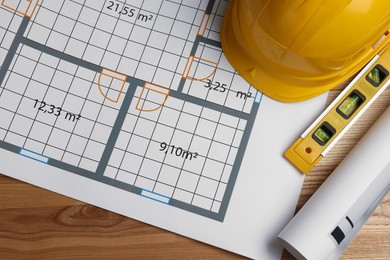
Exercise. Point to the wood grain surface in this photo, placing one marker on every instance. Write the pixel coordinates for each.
(38, 224)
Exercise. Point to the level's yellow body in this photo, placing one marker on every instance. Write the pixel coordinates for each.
(333, 123)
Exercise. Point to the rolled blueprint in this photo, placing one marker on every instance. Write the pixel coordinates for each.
(331, 218)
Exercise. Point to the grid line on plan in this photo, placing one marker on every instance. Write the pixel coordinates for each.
(148, 145)
(118, 56)
(8, 31)
(54, 87)
(76, 76)
(213, 28)
(92, 130)
(223, 85)
(170, 146)
(129, 168)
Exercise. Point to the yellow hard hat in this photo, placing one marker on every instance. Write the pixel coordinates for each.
(292, 50)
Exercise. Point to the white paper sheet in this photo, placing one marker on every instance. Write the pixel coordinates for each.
(132, 106)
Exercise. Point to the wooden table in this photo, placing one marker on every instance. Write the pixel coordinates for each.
(39, 224)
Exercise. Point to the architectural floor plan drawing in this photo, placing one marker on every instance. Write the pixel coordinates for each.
(133, 94)
(154, 109)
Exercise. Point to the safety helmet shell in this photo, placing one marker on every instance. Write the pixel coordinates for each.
(295, 50)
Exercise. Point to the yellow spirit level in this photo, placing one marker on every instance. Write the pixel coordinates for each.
(331, 125)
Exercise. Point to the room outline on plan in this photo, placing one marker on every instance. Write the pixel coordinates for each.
(133, 94)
